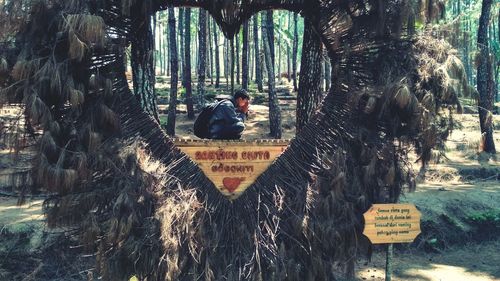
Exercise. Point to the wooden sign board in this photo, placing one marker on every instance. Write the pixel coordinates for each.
(232, 165)
(392, 223)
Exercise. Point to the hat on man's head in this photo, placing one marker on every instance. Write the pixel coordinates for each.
(241, 93)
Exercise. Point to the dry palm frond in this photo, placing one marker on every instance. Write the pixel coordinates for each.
(371, 104)
(36, 110)
(179, 216)
(56, 83)
(77, 48)
(24, 69)
(428, 102)
(48, 145)
(3, 97)
(90, 233)
(47, 70)
(93, 141)
(4, 66)
(76, 98)
(81, 165)
(108, 119)
(90, 28)
(402, 96)
(55, 179)
(108, 88)
(455, 68)
(95, 83)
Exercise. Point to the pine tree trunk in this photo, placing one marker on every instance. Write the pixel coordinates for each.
(174, 78)
(295, 50)
(181, 44)
(166, 52)
(270, 36)
(237, 42)
(227, 56)
(187, 63)
(211, 51)
(142, 60)
(258, 69)
(244, 57)
(288, 51)
(202, 55)
(309, 95)
(279, 51)
(159, 52)
(485, 80)
(274, 109)
(231, 42)
(217, 59)
(250, 53)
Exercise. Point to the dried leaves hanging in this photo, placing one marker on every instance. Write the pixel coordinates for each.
(90, 28)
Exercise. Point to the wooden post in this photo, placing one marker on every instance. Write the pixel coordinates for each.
(388, 262)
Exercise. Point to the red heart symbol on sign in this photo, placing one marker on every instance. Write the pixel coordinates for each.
(231, 184)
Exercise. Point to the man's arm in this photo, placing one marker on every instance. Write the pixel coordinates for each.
(233, 124)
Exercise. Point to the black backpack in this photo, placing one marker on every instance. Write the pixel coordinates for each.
(202, 123)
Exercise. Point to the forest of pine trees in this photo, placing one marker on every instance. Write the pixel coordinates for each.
(282, 45)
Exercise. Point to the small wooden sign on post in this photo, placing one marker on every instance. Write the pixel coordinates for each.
(391, 223)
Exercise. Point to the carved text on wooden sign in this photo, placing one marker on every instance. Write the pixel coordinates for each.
(392, 223)
(232, 165)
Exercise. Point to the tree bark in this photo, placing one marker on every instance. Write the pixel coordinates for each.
(227, 56)
(288, 51)
(187, 63)
(174, 78)
(217, 60)
(237, 41)
(211, 52)
(181, 43)
(166, 52)
(274, 109)
(295, 50)
(142, 60)
(309, 95)
(485, 80)
(258, 69)
(159, 53)
(231, 42)
(270, 35)
(202, 55)
(244, 57)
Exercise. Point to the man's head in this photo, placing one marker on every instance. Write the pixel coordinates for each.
(241, 100)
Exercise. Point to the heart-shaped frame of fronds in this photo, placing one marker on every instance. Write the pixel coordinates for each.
(146, 209)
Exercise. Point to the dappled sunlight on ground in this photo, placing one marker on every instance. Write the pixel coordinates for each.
(13, 216)
(471, 262)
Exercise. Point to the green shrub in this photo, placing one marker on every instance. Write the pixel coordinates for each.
(488, 219)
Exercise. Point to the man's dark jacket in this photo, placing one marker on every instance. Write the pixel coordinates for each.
(226, 123)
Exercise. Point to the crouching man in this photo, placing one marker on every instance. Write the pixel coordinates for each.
(227, 120)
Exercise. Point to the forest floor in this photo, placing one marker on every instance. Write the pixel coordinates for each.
(458, 198)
